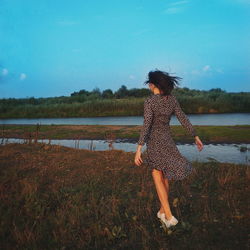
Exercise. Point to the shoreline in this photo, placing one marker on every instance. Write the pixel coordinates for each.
(125, 133)
(133, 141)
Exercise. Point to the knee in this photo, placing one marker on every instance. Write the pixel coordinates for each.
(157, 175)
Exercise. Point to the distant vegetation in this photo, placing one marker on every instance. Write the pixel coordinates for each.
(123, 102)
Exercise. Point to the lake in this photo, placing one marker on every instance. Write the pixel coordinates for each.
(230, 153)
(195, 119)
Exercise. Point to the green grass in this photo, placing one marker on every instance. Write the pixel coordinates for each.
(93, 108)
(200, 102)
(208, 134)
(54, 197)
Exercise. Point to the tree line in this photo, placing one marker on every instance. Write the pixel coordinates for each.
(106, 102)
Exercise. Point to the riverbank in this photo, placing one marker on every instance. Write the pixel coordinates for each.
(130, 133)
(55, 197)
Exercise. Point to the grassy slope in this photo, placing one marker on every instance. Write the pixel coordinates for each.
(55, 197)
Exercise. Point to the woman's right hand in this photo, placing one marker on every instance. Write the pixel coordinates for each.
(138, 159)
(198, 143)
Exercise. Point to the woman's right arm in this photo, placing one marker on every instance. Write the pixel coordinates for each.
(183, 119)
(198, 142)
(147, 123)
(138, 159)
(145, 130)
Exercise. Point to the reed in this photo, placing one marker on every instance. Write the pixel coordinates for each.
(195, 102)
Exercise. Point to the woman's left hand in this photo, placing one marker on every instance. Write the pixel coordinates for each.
(138, 159)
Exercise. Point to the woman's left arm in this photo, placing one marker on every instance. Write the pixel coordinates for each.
(147, 123)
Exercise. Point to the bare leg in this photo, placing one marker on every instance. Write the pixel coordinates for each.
(167, 188)
(162, 192)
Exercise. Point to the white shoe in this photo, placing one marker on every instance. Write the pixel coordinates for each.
(160, 215)
(172, 222)
(169, 223)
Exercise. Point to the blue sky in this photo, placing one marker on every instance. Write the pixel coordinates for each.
(53, 48)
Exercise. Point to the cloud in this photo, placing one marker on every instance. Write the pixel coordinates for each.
(172, 10)
(5, 72)
(23, 76)
(243, 1)
(175, 7)
(206, 68)
(178, 3)
(7, 76)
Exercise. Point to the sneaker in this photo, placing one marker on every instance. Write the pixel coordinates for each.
(160, 215)
(169, 223)
(172, 222)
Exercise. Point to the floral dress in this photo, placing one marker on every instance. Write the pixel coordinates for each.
(162, 152)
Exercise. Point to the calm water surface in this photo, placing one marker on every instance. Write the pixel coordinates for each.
(211, 152)
(195, 119)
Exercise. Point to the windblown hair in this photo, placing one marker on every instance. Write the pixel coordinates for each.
(163, 81)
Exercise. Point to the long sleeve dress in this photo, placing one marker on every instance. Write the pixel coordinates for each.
(162, 152)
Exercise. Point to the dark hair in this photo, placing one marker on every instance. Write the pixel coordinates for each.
(163, 81)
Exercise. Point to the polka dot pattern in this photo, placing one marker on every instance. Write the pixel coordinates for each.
(162, 152)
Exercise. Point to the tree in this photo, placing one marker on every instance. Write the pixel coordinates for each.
(96, 91)
(107, 93)
(138, 92)
(215, 93)
(121, 92)
(81, 92)
(218, 90)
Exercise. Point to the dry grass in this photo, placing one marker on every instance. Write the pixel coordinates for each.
(53, 197)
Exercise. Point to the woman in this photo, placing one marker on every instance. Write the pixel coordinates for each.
(163, 156)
